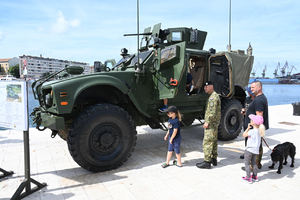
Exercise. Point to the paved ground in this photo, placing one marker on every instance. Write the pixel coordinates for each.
(142, 177)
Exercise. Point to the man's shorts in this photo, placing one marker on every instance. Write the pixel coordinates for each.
(175, 146)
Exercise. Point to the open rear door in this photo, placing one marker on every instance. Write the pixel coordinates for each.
(228, 69)
(221, 74)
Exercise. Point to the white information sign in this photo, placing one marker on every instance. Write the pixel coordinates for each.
(13, 105)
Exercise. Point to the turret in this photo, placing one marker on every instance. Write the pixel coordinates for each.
(194, 38)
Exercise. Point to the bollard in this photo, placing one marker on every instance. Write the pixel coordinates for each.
(296, 106)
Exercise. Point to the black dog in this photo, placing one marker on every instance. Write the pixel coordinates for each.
(283, 151)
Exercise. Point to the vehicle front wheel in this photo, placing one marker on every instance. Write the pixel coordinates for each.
(102, 137)
(63, 133)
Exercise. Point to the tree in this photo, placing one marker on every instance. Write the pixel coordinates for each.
(1, 69)
(14, 70)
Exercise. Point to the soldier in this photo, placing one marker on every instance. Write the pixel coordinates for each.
(212, 121)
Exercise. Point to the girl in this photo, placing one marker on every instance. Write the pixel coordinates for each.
(174, 135)
(252, 149)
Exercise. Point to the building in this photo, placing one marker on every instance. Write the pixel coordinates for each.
(13, 61)
(4, 66)
(6, 63)
(35, 67)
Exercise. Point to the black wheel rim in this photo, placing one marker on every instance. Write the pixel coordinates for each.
(105, 139)
(232, 122)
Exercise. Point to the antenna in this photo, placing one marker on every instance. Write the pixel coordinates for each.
(138, 39)
(229, 45)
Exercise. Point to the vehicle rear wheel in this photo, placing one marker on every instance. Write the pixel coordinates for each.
(102, 137)
(187, 122)
(231, 120)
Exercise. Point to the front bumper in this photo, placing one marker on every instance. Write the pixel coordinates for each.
(52, 122)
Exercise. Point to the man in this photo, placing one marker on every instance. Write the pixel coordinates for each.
(259, 106)
(212, 121)
(189, 83)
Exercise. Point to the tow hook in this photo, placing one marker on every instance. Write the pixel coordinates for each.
(40, 129)
(54, 133)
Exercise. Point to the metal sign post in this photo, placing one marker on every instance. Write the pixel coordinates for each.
(26, 183)
(5, 173)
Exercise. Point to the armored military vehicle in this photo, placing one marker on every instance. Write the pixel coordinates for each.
(98, 113)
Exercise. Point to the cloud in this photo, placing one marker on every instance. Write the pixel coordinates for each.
(62, 25)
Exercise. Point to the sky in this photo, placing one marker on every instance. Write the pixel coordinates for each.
(93, 30)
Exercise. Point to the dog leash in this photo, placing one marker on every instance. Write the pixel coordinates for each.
(266, 143)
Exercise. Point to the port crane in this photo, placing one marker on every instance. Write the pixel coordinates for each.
(283, 68)
(254, 70)
(276, 70)
(290, 72)
(264, 71)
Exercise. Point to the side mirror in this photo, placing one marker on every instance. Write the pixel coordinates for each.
(74, 70)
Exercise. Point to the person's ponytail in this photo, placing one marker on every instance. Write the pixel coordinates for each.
(262, 130)
(178, 115)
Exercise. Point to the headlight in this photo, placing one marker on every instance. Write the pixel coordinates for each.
(48, 99)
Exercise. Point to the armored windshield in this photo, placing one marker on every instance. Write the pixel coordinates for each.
(142, 57)
(123, 60)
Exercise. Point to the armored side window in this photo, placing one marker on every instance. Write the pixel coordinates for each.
(169, 54)
(177, 36)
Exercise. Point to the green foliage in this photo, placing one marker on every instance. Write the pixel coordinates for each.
(14, 70)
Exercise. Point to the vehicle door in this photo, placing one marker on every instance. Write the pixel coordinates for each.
(220, 73)
(170, 70)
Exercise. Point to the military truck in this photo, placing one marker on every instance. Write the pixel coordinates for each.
(97, 113)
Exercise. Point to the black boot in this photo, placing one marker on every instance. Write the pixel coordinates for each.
(204, 165)
(214, 162)
(198, 164)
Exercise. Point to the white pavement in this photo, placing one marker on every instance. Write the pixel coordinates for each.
(142, 177)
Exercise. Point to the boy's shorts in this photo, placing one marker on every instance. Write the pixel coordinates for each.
(175, 146)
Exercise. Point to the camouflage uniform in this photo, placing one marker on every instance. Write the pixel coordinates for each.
(212, 117)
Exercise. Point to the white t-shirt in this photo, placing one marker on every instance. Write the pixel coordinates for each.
(254, 140)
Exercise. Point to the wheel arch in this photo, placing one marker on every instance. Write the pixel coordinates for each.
(114, 91)
(100, 93)
(239, 94)
(107, 94)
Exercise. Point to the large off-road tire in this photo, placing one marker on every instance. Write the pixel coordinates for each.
(63, 134)
(231, 120)
(102, 137)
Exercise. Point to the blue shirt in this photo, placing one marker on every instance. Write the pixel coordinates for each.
(174, 124)
(189, 79)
